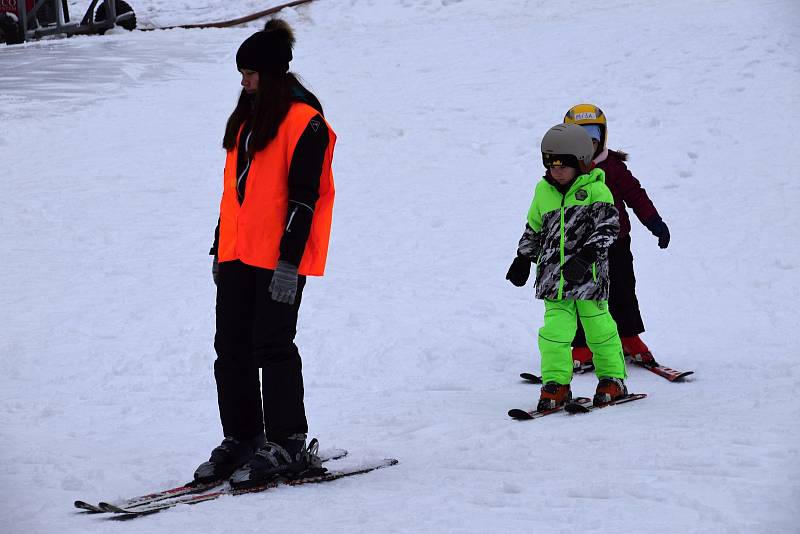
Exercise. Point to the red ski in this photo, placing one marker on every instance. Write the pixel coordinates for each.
(647, 361)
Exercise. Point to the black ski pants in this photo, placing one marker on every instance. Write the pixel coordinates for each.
(254, 331)
(622, 302)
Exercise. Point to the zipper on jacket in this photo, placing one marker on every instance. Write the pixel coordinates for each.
(291, 217)
(561, 246)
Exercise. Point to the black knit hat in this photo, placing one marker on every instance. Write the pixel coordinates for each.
(268, 51)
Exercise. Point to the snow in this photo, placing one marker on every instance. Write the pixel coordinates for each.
(412, 342)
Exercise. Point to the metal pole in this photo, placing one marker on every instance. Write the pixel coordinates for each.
(35, 10)
(59, 10)
(23, 18)
(111, 12)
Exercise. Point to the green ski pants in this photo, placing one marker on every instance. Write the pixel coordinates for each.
(555, 339)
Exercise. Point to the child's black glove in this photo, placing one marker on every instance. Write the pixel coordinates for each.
(659, 229)
(519, 271)
(578, 268)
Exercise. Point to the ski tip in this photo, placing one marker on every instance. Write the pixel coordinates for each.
(519, 414)
(129, 514)
(530, 377)
(680, 377)
(87, 507)
(108, 507)
(575, 407)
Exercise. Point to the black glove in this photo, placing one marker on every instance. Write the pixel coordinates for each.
(578, 268)
(215, 269)
(519, 271)
(659, 229)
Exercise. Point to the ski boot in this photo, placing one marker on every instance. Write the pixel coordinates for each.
(552, 396)
(286, 460)
(609, 389)
(226, 458)
(581, 359)
(637, 351)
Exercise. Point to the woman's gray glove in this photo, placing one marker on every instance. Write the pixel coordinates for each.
(283, 287)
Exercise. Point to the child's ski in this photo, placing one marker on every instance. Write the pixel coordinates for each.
(579, 369)
(573, 408)
(187, 489)
(647, 361)
(526, 415)
(533, 379)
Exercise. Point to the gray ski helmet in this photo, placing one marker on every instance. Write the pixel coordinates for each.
(567, 140)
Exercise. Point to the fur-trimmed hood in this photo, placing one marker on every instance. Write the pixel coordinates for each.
(602, 156)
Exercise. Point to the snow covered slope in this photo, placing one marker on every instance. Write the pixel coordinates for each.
(111, 159)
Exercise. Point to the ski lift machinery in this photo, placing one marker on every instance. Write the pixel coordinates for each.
(25, 20)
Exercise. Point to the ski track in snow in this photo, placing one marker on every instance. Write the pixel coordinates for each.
(413, 340)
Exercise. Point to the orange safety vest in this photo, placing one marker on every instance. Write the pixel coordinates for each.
(252, 231)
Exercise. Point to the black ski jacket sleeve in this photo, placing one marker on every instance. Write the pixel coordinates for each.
(305, 171)
(213, 251)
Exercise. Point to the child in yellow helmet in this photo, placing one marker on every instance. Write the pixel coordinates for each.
(627, 192)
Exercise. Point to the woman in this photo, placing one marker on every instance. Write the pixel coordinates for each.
(273, 231)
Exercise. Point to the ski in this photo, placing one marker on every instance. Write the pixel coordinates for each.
(225, 489)
(527, 415)
(578, 369)
(647, 361)
(151, 497)
(574, 408)
(533, 379)
(186, 489)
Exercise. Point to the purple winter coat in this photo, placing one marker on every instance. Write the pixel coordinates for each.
(626, 189)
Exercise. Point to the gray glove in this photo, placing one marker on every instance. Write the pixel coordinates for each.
(215, 269)
(283, 287)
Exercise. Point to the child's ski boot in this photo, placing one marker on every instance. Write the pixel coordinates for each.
(638, 352)
(552, 396)
(609, 389)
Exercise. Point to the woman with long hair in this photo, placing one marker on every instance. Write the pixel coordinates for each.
(273, 231)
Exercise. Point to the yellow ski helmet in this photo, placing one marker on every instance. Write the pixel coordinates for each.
(588, 114)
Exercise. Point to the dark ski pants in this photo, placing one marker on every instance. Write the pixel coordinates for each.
(622, 302)
(254, 331)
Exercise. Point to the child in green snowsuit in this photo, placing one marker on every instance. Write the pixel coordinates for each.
(571, 223)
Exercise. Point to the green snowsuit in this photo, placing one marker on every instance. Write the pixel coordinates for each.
(559, 226)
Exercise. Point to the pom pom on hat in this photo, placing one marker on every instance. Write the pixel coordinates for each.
(268, 51)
